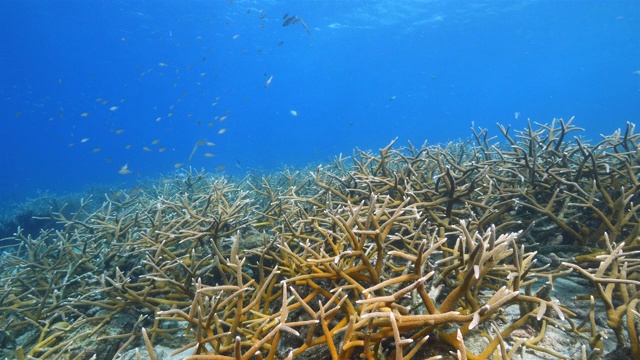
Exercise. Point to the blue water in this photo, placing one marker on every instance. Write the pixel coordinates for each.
(369, 71)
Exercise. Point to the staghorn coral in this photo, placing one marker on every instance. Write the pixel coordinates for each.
(616, 281)
(402, 254)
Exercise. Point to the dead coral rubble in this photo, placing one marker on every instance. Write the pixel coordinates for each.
(402, 254)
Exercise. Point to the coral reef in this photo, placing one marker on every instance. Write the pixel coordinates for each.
(407, 253)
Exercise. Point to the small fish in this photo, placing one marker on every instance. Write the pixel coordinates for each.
(162, 149)
(158, 119)
(155, 141)
(178, 165)
(105, 102)
(210, 144)
(124, 170)
(84, 114)
(211, 124)
(222, 131)
(108, 160)
(128, 146)
(223, 118)
(161, 64)
(146, 149)
(294, 113)
(113, 108)
(195, 148)
(118, 131)
(235, 36)
(214, 103)
(96, 149)
(208, 155)
(281, 43)
(220, 167)
(294, 20)
(392, 98)
(304, 24)
(290, 20)
(71, 144)
(266, 84)
(84, 140)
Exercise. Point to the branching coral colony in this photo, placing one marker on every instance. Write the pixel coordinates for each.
(403, 254)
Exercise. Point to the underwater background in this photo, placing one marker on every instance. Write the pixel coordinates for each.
(107, 93)
(319, 179)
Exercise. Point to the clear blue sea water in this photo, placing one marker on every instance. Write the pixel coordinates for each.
(87, 87)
